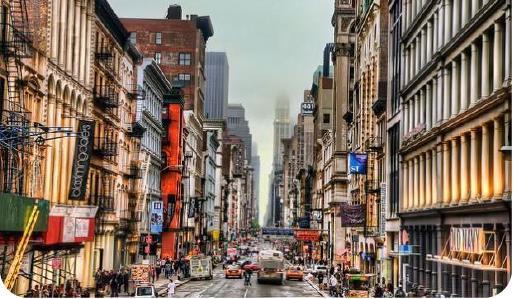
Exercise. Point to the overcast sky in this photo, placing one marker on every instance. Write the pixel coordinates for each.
(273, 48)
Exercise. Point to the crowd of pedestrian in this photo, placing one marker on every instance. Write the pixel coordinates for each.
(58, 291)
(111, 282)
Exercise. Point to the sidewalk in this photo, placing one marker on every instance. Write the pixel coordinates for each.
(161, 283)
(314, 285)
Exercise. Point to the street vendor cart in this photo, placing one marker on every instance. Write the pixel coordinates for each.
(359, 285)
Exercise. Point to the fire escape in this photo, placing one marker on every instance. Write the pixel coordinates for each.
(374, 147)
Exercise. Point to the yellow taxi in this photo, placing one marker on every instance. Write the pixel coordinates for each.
(295, 272)
(233, 271)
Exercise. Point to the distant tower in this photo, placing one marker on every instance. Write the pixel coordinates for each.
(217, 85)
(282, 128)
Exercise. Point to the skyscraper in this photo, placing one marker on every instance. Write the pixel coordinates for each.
(282, 128)
(239, 126)
(256, 166)
(217, 85)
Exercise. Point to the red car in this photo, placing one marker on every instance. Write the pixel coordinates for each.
(252, 266)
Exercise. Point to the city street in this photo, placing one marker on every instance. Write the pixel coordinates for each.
(233, 288)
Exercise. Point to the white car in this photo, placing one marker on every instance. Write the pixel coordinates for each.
(145, 291)
(320, 269)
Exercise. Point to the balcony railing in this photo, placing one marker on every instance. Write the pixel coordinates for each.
(104, 56)
(106, 96)
(133, 171)
(136, 92)
(105, 203)
(374, 144)
(136, 130)
(105, 147)
(15, 42)
(372, 187)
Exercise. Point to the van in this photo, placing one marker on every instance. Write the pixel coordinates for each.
(201, 267)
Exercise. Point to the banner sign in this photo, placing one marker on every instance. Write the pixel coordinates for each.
(352, 215)
(304, 222)
(405, 249)
(358, 163)
(191, 208)
(83, 152)
(156, 217)
(382, 219)
(307, 108)
(307, 235)
(467, 239)
(278, 231)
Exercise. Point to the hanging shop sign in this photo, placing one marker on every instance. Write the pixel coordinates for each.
(307, 108)
(382, 220)
(70, 224)
(405, 249)
(191, 208)
(278, 231)
(358, 163)
(307, 235)
(467, 239)
(352, 215)
(156, 217)
(304, 222)
(83, 152)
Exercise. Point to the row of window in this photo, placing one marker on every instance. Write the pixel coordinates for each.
(184, 58)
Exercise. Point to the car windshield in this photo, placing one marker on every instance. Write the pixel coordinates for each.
(234, 267)
(144, 291)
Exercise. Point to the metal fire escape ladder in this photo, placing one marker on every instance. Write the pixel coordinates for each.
(142, 202)
(20, 250)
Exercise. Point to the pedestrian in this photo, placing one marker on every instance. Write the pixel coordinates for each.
(171, 288)
(114, 286)
(332, 285)
(158, 271)
(399, 293)
(126, 281)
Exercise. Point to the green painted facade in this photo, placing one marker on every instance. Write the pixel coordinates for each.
(15, 211)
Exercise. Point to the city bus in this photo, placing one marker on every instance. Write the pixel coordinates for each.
(271, 264)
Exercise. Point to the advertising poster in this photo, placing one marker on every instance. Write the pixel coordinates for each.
(358, 163)
(352, 215)
(156, 217)
(81, 227)
(83, 152)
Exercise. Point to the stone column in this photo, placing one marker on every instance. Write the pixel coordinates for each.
(428, 176)
(82, 52)
(408, 14)
(474, 74)
(446, 94)
(434, 266)
(455, 90)
(486, 286)
(415, 258)
(475, 185)
(404, 186)
(413, 60)
(76, 40)
(412, 113)
(57, 156)
(456, 13)
(423, 48)
(485, 67)
(498, 56)
(441, 24)
(422, 105)
(429, 110)
(418, 51)
(429, 43)
(507, 47)
(455, 162)
(421, 257)
(422, 181)
(416, 101)
(446, 174)
(416, 186)
(464, 171)
(49, 149)
(427, 250)
(486, 190)
(410, 184)
(507, 231)
(465, 17)
(62, 32)
(404, 120)
(64, 156)
(448, 20)
(405, 16)
(464, 280)
(89, 20)
(434, 182)
(473, 280)
(464, 82)
(438, 179)
(498, 161)
(69, 37)
(434, 103)
(55, 29)
(474, 7)
(439, 268)
(454, 281)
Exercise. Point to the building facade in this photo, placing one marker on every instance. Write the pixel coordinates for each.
(217, 85)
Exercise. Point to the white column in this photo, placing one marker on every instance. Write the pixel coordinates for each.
(405, 119)
(57, 155)
(82, 54)
(456, 12)
(428, 99)
(428, 177)
(474, 7)
(486, 190)
(89, 20)
(498, 161)
(465, 12)
(455, 89)
(440, 95)
(55, 29)
(434, 103)
(69, 37)
(446, 94)
(416, 184)
(474, 74)
(464, 169)
(507, 47)
(405, 73)
(412, 113)
(410, 184)
(416, 101)
(404, 186)
(485, 67)
(475, 184)
(413, 9)
(434, 174)
(404, 16)
(429, 44)
(62, 32)
(455, 174)
(417, 56)
(422, 106)
(422, 182)
(76, 40)
(49, 149)
(448, 21)
(413, 60)
(408, 13)
(423, 49)
(446, 173)
(498, 56)
(441, 24)
(464, 82)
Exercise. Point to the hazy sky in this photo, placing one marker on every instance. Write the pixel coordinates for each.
(273, 48)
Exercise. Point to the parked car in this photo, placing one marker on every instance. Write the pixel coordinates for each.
(252, 266)
(233, 271)
(294, 272)
(320, 269)
(145, 291)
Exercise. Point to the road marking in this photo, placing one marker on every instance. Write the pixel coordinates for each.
(198, 295)
(246, 290)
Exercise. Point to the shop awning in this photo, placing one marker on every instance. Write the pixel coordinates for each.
(462, 263)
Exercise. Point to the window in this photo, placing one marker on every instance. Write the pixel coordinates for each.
(132, 38)
(184, 77)
(158, 38)
(157, 57)
(184, 59)
(327, 118)
(393, 136)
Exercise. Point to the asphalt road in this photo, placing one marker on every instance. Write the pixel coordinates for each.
(234, 288)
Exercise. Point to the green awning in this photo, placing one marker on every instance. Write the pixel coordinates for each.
(15, 211)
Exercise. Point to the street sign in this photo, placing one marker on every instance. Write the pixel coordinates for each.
(405, 249)
(358, 163)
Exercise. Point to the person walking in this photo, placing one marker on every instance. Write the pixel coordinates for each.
(332, 285)
(114, 286)
(171, 288)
